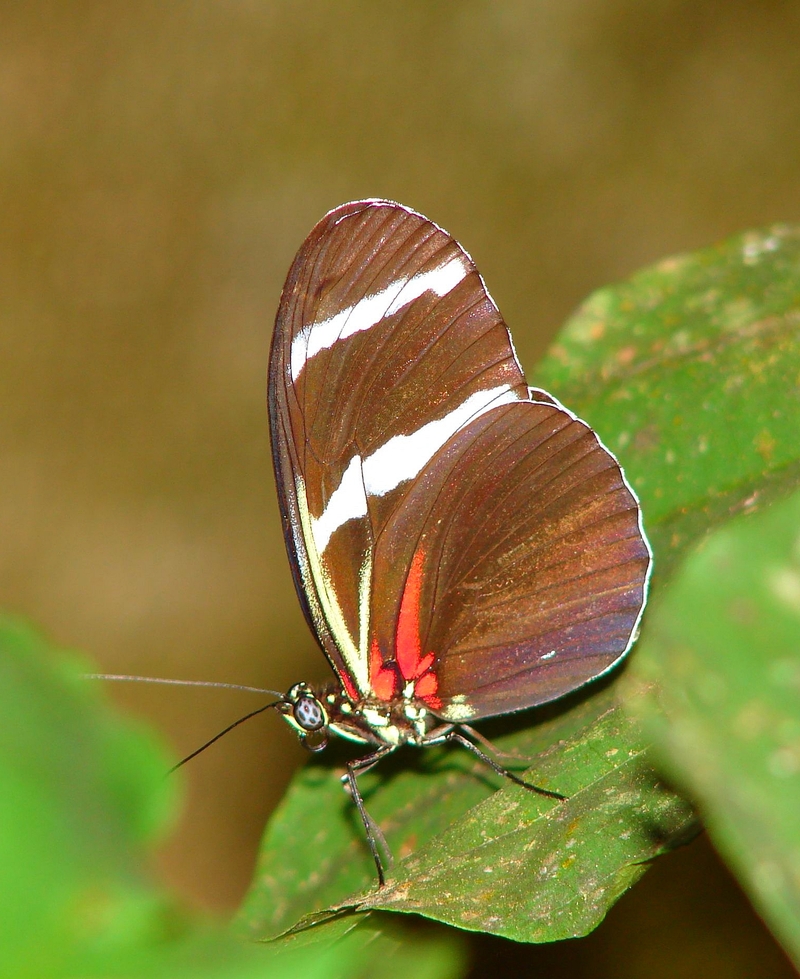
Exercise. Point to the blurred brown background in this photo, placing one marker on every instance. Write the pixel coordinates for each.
(159, 166)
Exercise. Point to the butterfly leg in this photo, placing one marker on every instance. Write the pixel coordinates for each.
(375, 838)
(456, 737)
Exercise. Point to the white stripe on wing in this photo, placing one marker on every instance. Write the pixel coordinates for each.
(371, 310)
(401, 458)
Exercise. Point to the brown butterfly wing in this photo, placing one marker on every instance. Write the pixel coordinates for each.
(386, 343)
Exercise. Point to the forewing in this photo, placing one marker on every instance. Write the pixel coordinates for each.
(533, 561)
(386, 344)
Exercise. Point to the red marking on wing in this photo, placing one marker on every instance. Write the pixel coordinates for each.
(382, 679)
(426, 686)
(413, 665)
(407, 641)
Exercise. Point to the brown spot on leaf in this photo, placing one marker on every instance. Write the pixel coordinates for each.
(408, 846)
(646, 439)
(765, 445)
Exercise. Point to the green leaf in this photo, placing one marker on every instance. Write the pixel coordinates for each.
(690, 373)
(509, 862)
(548, 871)
(717, 682)
(79, 794)
(82, 798)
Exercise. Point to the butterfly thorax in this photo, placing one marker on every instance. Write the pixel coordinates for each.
(316, 712)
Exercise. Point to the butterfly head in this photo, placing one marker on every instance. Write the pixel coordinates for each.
(305, 712)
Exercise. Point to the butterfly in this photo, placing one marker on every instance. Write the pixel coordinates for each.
(463, 546)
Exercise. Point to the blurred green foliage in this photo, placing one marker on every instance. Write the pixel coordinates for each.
(716, 682)
(83, 798)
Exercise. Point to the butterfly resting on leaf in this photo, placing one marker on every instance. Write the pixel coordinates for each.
(462, 545)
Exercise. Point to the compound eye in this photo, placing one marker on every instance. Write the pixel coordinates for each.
(308, 714)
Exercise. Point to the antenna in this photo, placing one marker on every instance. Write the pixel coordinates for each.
(123, 677)
(181, 683)
(221, 734)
